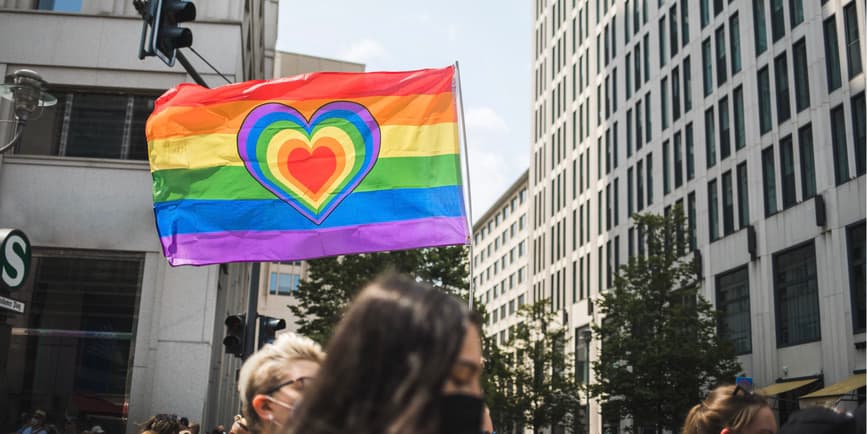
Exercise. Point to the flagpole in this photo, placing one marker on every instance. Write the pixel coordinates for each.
(469, 190)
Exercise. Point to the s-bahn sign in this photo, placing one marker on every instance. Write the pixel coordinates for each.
(14, 258)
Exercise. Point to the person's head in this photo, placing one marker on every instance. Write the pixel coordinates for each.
(38, 418)
(184, 422)
(274, 378)
(239, 425)
(819, 420)
(159, 424)
(405, 358)
(731, 410)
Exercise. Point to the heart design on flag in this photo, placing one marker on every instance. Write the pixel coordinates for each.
(312, 165)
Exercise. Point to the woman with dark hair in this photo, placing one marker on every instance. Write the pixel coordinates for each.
(405, 359)
(731, 410)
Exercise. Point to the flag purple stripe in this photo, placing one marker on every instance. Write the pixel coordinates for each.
(264, 246)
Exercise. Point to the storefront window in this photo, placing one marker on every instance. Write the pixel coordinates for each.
(70, 353)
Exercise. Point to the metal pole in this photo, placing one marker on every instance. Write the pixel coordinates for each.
(469, 190)
(252, 302)
(189, 68)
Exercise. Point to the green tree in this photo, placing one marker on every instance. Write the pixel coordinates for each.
(660, 350)
(541, 389)
(333, 282)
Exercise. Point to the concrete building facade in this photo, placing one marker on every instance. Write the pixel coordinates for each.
(500, 259)
(111, 334)
(748, 114)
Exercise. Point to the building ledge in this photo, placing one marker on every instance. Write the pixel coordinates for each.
(90, 163)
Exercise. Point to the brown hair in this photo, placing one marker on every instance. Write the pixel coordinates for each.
(390, 357)
(266, 369)
(725, 407)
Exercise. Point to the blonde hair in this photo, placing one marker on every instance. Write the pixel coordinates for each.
(266, 369)
(724, 407)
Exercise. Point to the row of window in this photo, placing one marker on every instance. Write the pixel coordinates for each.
(504, 285)
(507, 259)
(796, 295)
(283, 283)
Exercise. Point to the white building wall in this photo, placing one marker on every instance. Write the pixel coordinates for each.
(834, 356)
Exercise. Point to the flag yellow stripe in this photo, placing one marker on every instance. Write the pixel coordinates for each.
(210, 150)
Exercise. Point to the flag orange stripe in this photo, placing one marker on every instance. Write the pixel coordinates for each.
(227, 117)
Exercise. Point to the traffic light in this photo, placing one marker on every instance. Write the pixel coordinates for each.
(268, 327)
(165, 36)
(236, 326)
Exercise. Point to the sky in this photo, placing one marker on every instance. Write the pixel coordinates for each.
(490, 40)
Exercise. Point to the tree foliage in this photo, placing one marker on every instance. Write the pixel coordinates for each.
(333, 282)
(660, 350)
(536, 385)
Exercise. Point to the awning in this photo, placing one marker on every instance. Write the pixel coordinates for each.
(778, 388)
(834, 391)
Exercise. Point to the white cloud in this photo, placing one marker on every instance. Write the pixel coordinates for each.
(485, 118)
(365, 51)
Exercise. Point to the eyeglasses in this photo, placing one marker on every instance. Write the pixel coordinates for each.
(298, 384)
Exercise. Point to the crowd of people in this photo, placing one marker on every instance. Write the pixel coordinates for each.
(407, 358)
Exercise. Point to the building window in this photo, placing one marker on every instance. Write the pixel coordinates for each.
(687, 85)
(709, 138)
(639, 185)
(778, 22)
(672, 29)
(628, 133)
(663, 99)
(769, 182)
(796, 12)
(721, 56)
(738, 108)
(781, 79)
(838, 141)
(853, 43)
(802, 78)
(760, 32)
(832, 54)
(725, 147)
(663, 56)
(856, 275)
(79, 323)
(91, 124)
(808, 166)
(735, 42)
(666, 185)
(712, 211)
(728, 203)
(59, 5)
(743, 196)
(629, 192)
(707, 67)
(675, 93)
(690, 220)
(787, 172)
(859, 132)
(678, 160)
(648, 124)
(684, 22)
(764, 100)
(690, 153)
(582, 364)
(283, 283)
(649, 171)
(705, 13)
(796, 296)
(733, 302)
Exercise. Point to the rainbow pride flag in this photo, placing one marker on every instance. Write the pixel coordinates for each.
(314, 165)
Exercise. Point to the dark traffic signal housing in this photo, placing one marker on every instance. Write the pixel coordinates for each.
(236, 333)
(166, 36)
(268, 327)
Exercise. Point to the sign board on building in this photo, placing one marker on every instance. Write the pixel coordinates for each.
(14, 258)
(10, 304)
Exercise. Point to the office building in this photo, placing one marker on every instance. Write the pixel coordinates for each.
(111, 334)
(748, 114)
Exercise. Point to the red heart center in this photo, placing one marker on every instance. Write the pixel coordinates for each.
(312, 170)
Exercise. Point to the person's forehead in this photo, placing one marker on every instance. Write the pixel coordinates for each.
(302, 368)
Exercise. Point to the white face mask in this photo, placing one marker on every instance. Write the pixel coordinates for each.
(291, 408)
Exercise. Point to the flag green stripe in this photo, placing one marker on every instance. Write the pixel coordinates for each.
(234, 182)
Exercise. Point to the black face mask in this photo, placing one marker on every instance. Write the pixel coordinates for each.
(461, 414)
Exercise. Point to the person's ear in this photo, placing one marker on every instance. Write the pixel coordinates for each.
(262, 407)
